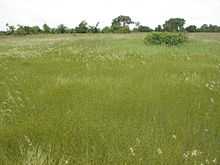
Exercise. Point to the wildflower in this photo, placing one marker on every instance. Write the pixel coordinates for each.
(28, 140)
(138, 140)
(212, 100)
(174, 137)
(159, 151)
(206, 130)
(207, 161)
(214, 160)
(213, 82)
(207, 85)
(132, 151)
(194, 153)
(186, 155)
(19, 99)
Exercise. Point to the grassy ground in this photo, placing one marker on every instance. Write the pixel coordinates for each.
(109, 99)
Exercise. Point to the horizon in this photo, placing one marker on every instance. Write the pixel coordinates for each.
(71, 13)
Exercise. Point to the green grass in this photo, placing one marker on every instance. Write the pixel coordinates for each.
(108, 99)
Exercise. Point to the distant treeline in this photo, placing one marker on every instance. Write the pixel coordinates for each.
(119, 24)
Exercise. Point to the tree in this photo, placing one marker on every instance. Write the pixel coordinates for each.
(82, 27)
(144, 29)
(191, 28)
(36, 29)
(121, 24)
(174, 25)
(94, 29)
(46, 28)
(158, 28)
(213, 28)
(122, 20)
(61, 28)
(106, 29)
(204, 28)
(10, 29)
(20, 30)
(209, 28)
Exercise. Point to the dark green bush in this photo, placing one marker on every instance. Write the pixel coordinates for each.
(165, 38)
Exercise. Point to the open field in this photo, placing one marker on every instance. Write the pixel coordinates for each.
(109, 99)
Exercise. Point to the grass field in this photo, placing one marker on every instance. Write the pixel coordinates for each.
(108, 99)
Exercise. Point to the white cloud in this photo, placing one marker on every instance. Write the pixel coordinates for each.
(71, 12)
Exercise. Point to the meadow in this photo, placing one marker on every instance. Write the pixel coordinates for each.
(109, 99)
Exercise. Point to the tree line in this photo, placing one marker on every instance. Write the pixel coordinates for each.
(119, 24)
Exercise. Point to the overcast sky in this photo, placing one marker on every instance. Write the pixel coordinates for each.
(71, 12)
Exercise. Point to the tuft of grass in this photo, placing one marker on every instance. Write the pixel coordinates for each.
(109, 99)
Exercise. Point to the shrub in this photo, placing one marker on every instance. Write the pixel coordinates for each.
(144, 29)
(106, 30)
(165, 38)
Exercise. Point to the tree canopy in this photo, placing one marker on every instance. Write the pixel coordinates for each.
(120, 24)
(174, 25)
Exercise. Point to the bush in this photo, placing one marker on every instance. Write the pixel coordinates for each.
(106, 30)
(165, 38)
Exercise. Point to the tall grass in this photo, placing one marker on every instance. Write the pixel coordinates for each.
(109, 99)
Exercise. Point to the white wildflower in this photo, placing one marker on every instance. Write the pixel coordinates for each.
(207, 161)
(27, 139)
(214, 160)
(206, 130)
(195, 153)
(174, 137)
(212, 100)
(138, 141)
(186, 155)
(159, 151)
(132, 151)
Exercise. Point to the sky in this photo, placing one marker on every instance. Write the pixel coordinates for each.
(72, 12)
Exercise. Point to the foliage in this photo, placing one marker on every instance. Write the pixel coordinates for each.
(94, 29)
(166, 38)
(209, 28)
(191, 28)
(10, 29)
(106, 29)
(121, 24)
(46, 28)
(122, 21)
(36, 30)
(82, 28)
(142, 28)
(61, 28)
(21, 30)
(120, 29)
(159, 28)
(174, 25)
